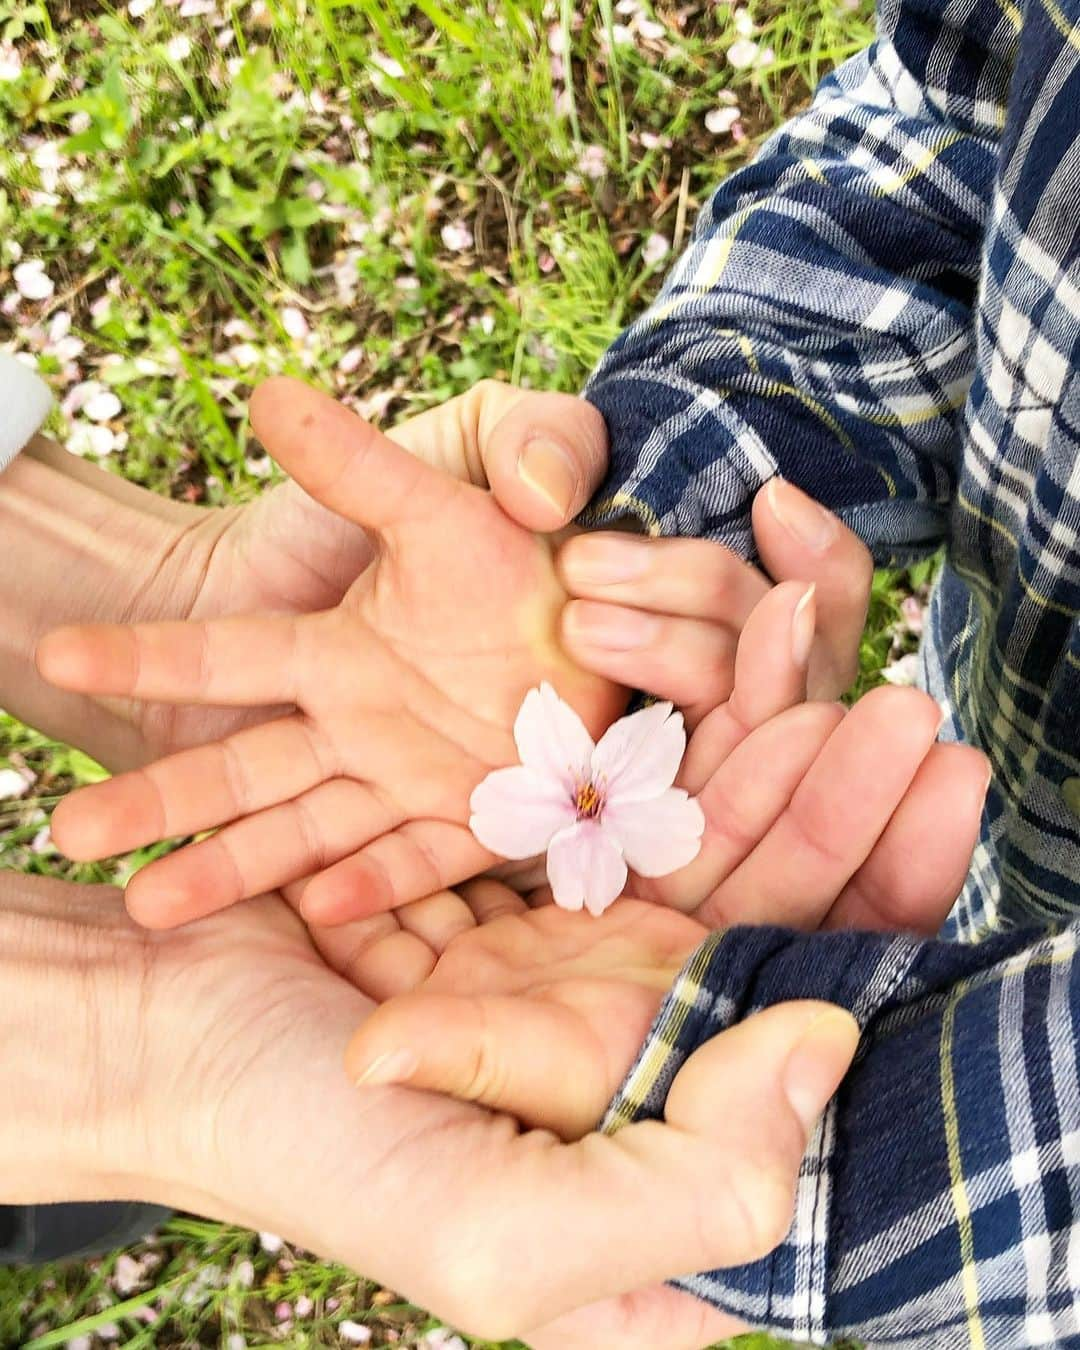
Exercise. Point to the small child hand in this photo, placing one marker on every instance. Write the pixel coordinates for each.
(539, 1012)
(404, 695)
(814, 817)
(666, 614)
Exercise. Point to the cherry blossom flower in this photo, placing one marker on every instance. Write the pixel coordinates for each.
(32, 281)
(10, 62)
(592, 162)
(655, 248)
(178, 48)
(720, 120)
(743, 53)
(904, 672)
(388, 65)
(102, 407)
(457, 236)
(912, 612)
(12, 784)
(596, 808)
(294, 323)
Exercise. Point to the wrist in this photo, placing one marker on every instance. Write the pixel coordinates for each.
(73, 973)
(91, 548)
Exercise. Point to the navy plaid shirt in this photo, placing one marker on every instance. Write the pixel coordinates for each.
(885, 308)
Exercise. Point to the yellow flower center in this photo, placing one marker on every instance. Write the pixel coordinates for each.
(588, 802)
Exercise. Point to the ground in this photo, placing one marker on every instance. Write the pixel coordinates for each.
(392, 200)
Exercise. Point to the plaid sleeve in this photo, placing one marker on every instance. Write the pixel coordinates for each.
(939, 1202)
(820, 324)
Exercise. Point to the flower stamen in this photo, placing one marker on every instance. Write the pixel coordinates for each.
(588, 801)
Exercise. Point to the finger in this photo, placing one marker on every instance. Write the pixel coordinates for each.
(773, 654)
(376, 954)
(835, 816)
(542, 454)
(192, 791)
(720, 1174)
(741, 803)
(799, 540)
(692, 578)
(406, 864)
(259, 853)
(917, 869)
(657, 1318)
(688, 661)
(769, 676)
(238, 661)
(437, 919)
(490, 900)
(527, 1057)
(343, 461)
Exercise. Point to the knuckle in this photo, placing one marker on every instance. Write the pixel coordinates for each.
(485, 1077)
(761, 1203)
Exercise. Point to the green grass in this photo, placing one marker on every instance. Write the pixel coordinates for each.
(393, 201)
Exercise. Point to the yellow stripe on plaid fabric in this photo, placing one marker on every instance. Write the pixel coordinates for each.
(624, 501)
(684, 995)
(920, 166)
(961, 1204)
(1060, 21)
(1012, 12)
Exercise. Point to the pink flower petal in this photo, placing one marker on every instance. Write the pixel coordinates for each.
(551, 738)
(515, 812)
(657, 836)
(639, 756)
(585, 868)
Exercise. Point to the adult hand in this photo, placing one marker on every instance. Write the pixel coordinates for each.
(616, 580)
(203, 1069)
(141, 557)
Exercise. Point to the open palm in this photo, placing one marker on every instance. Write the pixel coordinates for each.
(404, 696)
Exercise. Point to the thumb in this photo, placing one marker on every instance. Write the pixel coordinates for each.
(534, 1059)
(798, 540)
(719, 1175)
(545, 456)
(542, 454)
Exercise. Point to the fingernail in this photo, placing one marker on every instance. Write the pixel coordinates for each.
(604, 560)
(813, 526)
(818, 1062)
(803, 623)
(609, 626)
(394, 1066)
(547, 469)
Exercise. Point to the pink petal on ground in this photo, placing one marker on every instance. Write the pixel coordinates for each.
(657, 836)
(639, 756)
(551, 738)
(585, 868)
(515, 812)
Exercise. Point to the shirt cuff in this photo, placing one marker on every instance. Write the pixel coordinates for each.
(24, 404)
(733, 974)
(682, 460)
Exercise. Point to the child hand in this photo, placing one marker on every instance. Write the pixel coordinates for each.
(540, 1012)
(817, 818)
(632, 596)
(405, 694)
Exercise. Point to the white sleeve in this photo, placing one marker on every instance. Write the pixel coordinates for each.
(24, 404)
